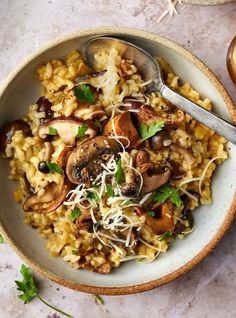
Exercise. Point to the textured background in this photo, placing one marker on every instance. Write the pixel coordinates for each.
(25, 25)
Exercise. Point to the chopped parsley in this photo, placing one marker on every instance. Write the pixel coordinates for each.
(52, 131)
(119, 175)
(75, 214)
(99, 299)
(94, 196)
(75, 251)
(29, 289)
(54, 167)
(84, 93)
(110, 191)
(164, 236)
(151, 213)
(129, 202)
(149, 131)
(165, 192)
(81, 131)
(1, 239)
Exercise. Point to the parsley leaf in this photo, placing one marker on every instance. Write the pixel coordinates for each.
(151, 213)
(27, 286)
(165, 192)
(54, 167)
(119, 175)
(52, 131)
(75, 214)
(94, 195)
(29, 289)
(75, 251)
(1, 239)
(84, 93)
(81, 131)
(164, 236)
(147, 132)
(110, 191)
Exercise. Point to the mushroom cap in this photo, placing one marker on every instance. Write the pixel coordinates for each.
(123, 127)
(67, 128)
(152, 181)
(84, 163)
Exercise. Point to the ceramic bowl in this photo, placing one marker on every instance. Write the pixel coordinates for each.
(207, 2)
(21, 89)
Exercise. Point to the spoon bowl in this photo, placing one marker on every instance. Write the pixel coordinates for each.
(151, 71)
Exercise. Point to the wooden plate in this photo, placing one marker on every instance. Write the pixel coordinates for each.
(207, 2)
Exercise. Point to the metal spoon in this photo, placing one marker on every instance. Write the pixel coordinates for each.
(150, 70)
(231, 60)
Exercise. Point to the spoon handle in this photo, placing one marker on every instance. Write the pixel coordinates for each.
(217, 124)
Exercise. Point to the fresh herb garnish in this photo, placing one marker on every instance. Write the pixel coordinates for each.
(119, 175)
(149, 131)
(84, 93)
(75, 214)
(94, 195)
(99, 299)
(29, 290)
(110, 191)
(151, 213)
(81, 131)
(75, 251)
(54, 167)
(52, 131)
(165, 192)
(129, 202)
(164, 236)
(98, 124)
(1, 239)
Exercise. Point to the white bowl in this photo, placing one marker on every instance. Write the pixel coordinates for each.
(21, 89)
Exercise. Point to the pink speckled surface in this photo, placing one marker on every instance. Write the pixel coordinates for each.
(209, 289)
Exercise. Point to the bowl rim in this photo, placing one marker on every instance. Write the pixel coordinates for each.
(131, 289)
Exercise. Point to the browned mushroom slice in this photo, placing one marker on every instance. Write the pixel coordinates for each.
(53, 194)
(7, 132)
(157, 142)
(166, 221)
(153, 179)
(124, 127)
(84, 163)
(62, 159)
(147, 115)
(185, 153)
(96, 114)
(67, 128)
(84, 221)
(44, 105)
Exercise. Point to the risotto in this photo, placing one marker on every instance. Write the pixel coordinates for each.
(108, 172)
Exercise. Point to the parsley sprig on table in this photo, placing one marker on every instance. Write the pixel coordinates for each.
(84, 93)
(165, 192)
(29, 289)
(149, 131)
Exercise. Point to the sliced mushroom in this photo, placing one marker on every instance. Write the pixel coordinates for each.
(89, 75)
(153, 179)
(67, 128)
(84, 221)
(7, 132)
(185, 153)
(141, 157)
(62, 159)
(123, 126)
(44, 105)
(84, 163)
(147, 115)
(53, 194)
(96, 114)
(165, 223)
(157, 142)
(48, 151)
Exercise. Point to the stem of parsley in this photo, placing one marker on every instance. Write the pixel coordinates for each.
(54, 308)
